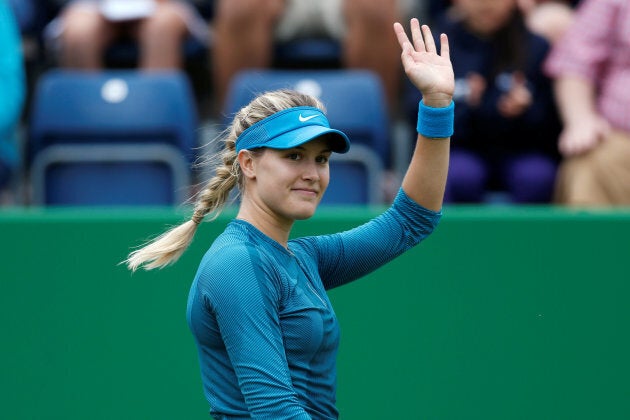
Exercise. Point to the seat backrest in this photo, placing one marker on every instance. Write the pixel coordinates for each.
(354, 100)
(120, 137)
(113, 106)
(356, 178)
(109, 174)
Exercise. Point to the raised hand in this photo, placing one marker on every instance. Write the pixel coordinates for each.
(430, 72)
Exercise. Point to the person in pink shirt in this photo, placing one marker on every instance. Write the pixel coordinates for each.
(590, 66)
(548, 18)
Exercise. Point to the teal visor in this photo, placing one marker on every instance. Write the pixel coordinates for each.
(291, 128)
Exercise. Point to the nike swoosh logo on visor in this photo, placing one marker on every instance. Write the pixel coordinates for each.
(304, 119)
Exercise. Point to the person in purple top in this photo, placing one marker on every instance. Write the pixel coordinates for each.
(506, 122)
(266, 333)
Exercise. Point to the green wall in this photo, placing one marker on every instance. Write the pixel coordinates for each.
(503, 313)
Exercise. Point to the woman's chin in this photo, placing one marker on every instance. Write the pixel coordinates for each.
(304, 214)
(303, 210)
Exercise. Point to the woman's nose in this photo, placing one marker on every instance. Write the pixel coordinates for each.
(310, 171)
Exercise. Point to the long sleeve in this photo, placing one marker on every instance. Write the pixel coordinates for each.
(347, 256)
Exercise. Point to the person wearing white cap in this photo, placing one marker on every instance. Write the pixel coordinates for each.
(266, 333)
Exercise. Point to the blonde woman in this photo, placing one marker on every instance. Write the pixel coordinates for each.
(266, 333)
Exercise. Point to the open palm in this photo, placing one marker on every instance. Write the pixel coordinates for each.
(430, 72)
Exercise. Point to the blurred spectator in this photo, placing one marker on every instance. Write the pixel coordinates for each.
(505, 121)
(12, 94)
(246, 30)
(548, 18)
(84, 30)
(591, 68)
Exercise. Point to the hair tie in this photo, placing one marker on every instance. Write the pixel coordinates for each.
(196, 219)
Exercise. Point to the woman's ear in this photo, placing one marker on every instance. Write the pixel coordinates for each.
(246, 162)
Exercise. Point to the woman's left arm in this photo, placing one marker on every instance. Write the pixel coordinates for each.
(416, 209)
(346, 256)
(432, 74)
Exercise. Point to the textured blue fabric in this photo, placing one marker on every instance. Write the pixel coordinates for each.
(266, 333)
(435, 123)
(12, 86)
(290, 128)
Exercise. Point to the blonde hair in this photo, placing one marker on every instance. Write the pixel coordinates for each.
(169, 246)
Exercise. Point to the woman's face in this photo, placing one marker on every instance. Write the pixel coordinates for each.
(289, 184)
(485, 17)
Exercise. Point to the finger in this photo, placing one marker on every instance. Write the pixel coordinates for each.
(428, 39)
(406, 56)
(568, 146)
(416, 35)
(401, 35)
(581, 148)
(445, 50)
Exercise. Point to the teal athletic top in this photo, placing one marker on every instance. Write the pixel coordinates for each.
(266, 333)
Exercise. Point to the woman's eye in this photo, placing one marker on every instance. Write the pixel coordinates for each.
(322, 159)
(294, 156)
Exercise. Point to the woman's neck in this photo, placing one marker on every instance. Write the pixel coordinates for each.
(267, 222)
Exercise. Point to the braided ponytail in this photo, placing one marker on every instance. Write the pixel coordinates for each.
(169, 246)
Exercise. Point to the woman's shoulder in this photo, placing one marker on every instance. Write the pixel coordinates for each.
(229, 264)
(239, 247)
(230, 247)
(236, 263)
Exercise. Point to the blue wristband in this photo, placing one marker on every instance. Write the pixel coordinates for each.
(436, 123)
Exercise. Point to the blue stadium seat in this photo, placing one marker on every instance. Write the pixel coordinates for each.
(355, 104)
(356, 178)
(116, 137)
